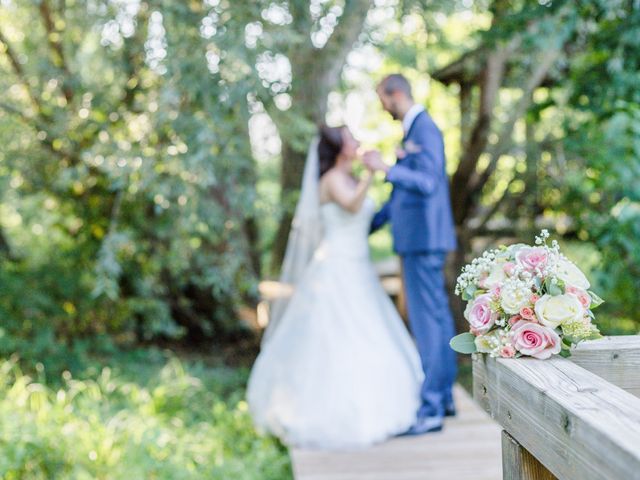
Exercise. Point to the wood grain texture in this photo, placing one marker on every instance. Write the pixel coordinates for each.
(467, 449)
(616, 359)
(575, 423)
(519, 464)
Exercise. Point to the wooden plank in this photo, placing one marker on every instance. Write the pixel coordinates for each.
(472, 435)
(574, 422)
(616, 359)
(519, 464)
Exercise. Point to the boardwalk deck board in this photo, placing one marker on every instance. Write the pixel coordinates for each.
(468, 448)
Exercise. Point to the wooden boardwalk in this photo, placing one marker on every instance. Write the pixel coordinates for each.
(469, 448)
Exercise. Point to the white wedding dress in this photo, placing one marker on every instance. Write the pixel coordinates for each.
(340, 371)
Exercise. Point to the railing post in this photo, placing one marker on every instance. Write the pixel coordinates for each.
(519, 464)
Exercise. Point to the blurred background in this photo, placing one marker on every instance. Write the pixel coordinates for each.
(150, 158)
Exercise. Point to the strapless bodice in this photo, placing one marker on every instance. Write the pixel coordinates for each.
(346, 233)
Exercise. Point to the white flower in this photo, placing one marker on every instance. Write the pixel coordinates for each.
(487, 343)
(571, 275)
(553, 311)
(579, 330)
(513, 249)
(492, 343)
(513, 299)
(496, 275)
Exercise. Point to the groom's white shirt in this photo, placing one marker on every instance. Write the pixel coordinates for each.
(410, 116)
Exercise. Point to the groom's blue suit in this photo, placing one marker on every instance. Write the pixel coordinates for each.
(423, 232)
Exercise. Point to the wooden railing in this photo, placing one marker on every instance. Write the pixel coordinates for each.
(570, 419)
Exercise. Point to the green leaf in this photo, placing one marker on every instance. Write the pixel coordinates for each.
(464, 343)
(565, 353)
(596, 301)
(469, 292)
(554, 289)
(537, 282)
(595, 336)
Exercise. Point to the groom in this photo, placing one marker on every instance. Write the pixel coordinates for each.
(419, 210)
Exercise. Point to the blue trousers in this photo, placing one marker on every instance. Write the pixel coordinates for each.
(432, 327)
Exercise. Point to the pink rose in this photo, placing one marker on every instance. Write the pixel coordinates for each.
(515, 319)
(508, 268)
(495, 291)
(479, 314)
(531, 258)
(534, 298)
(580, 294)
(528, 313)
(507, 351)
(535, 340)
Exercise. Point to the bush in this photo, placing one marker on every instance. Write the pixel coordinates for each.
(155, 421)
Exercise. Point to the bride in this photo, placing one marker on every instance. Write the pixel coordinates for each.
(337, 370)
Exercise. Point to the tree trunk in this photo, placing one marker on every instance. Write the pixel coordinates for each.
(466, 121)
(467, 182)
(5, 248)
(316, 72)
(290, 178)
(455, 262)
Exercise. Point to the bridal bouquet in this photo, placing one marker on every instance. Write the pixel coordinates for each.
(525, 300)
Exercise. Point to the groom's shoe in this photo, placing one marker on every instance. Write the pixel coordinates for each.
(424, 425)
(450, 410)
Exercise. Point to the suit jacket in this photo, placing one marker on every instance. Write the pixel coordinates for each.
(419, 208)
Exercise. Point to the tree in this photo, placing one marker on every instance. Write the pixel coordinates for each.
(602, 153)
(318, 38)
(534, 50)
(519, 61)
(130, 151)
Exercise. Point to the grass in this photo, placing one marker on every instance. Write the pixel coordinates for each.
(465, 373)
(148, 414)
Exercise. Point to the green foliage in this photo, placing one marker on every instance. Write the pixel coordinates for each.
(606, 153)
(464, 343)
(126, 192)
(148, 417)
(130, 200)
(573, 161)
(601, 189)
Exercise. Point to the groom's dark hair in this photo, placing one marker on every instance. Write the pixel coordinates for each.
(396, 82)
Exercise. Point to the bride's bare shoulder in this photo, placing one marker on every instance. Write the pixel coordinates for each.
(334, 177)
(331, 184)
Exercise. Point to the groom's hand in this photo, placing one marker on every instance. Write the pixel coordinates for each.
(373, 160)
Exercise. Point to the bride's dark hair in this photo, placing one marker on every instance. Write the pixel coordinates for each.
(329, 147)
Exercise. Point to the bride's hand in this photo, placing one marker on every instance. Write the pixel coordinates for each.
(368, 167)
(373, 160)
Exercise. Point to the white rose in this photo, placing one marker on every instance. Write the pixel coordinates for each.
(513, 300)
(467, 309)
(553, 311)
(513, 249)
(572, 275)
(496, 276)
